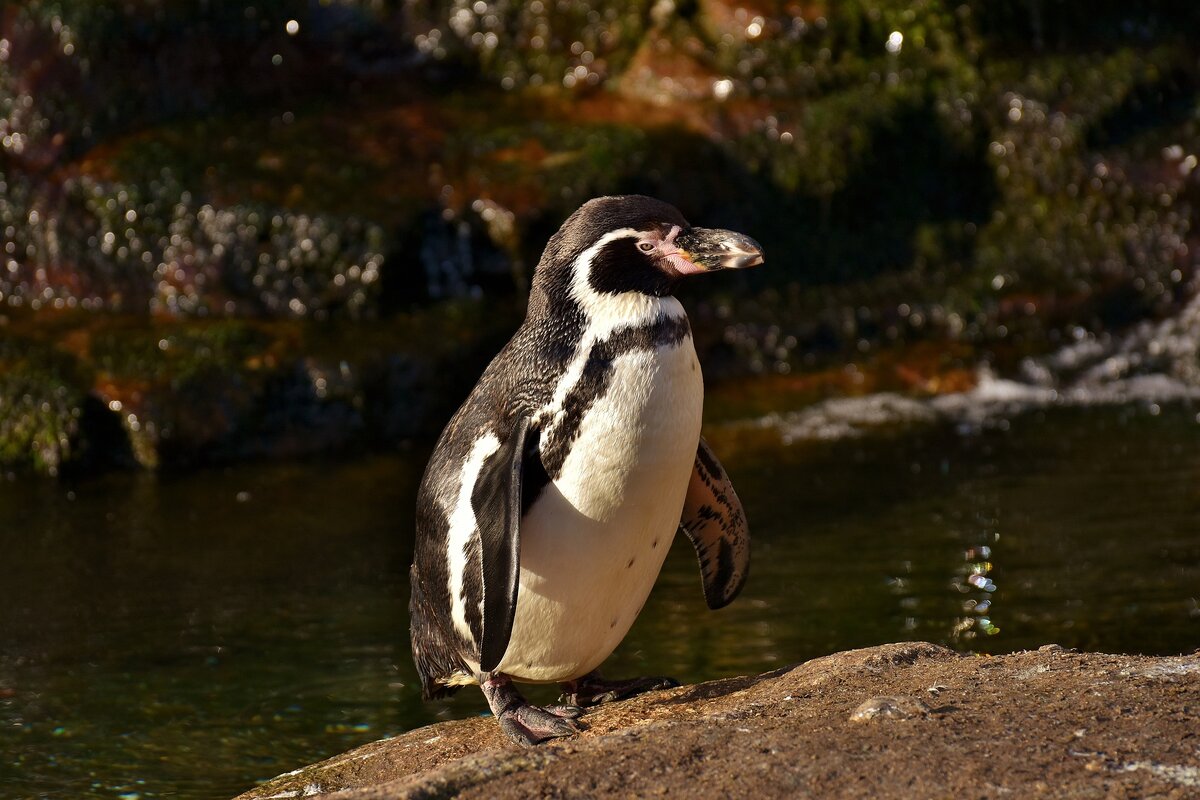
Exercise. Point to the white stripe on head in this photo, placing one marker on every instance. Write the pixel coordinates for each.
(462, 527)
(605, 314)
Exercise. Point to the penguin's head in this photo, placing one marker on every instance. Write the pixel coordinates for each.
(631, 243)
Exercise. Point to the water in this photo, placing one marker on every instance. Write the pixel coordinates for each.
(187, 635)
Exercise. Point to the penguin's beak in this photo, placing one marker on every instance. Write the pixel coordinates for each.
(711, 249)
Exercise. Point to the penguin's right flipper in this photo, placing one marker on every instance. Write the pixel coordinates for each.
(715, 523)
(496, 500)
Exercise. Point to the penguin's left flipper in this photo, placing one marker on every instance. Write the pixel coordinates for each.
(496, 501)
(715, 523)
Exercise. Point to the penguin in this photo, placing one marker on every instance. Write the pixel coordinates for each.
(553, 495)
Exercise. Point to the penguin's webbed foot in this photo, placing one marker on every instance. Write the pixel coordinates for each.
(528, 725)
(592, 690)
(523, 723)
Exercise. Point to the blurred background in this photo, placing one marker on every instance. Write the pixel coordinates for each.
(252, 256)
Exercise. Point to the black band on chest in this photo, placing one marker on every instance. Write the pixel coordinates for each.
(596, 380)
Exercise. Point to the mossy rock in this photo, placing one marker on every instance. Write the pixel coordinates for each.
(87, 391)
(916, 171)
(42, 393)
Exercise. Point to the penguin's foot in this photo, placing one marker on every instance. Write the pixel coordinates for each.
(523, 723)
(592, 690)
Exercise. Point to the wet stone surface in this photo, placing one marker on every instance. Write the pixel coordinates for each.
(1072, 725)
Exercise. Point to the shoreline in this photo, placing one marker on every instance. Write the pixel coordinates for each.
(896, 720)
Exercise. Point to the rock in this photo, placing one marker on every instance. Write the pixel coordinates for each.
(92, 392)
(1066, 724)
(880, 708)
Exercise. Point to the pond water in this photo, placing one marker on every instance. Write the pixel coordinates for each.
(187, 635)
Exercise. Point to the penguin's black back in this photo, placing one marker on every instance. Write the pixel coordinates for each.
(518, 381)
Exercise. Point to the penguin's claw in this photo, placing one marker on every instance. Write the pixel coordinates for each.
(528, 725)
(564, 711)
(592, 690)
(521, 722)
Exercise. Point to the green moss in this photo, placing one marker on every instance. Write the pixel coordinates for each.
(533, 44)
(173, 354)
(86, 390)
(1071, 219)
(41, 401)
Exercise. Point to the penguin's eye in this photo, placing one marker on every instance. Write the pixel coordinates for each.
(646, 247)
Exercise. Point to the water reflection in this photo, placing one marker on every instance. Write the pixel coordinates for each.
(187, 636)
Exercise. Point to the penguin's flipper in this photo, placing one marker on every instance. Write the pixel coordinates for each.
(715, 523)
(496, 500)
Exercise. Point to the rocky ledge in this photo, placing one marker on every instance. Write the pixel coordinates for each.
(899, 720)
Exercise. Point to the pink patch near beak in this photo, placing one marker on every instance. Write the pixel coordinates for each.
(681, 264)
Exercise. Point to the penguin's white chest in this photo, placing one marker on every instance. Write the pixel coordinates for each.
(593, 543)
